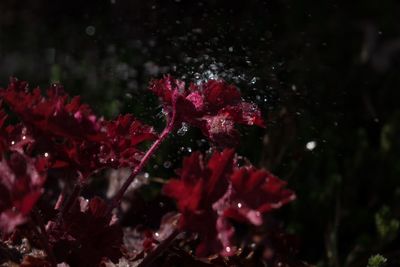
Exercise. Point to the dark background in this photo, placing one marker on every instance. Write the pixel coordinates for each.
(322, 71)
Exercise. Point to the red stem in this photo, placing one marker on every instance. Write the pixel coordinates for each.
(76, 191)
(43, 237)
(118, 197)
(152, 256)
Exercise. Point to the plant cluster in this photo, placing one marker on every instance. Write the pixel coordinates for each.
(52, 147)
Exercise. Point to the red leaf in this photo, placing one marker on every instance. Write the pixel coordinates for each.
(210, 195)
(86, 235)
(52, 113)
(21, 181)
(214, 106)
(69, 133)
(260, 190)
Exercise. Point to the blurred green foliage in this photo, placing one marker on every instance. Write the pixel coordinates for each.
(376, 261)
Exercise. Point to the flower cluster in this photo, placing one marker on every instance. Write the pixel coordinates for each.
(214, 107)
(51, 145)
(211, 194)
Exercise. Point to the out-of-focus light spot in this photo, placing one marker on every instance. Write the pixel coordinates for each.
(90, 30)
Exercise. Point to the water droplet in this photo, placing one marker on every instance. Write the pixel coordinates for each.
(12, 142)
(253, 80)
(228, 249)
(311, 145)
(156, 234)
(167, 164)
(23, 137)
(189, 149)
(239, 205)
(90, 30)
(46, 155)
(182, 131)
(146, 175)
(230, 49)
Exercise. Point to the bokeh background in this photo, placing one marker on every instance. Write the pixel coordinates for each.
(326, 74)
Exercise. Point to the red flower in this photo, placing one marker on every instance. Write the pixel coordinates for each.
(214, 107)
(211, 194)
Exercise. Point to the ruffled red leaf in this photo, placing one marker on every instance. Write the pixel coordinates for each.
(86, 235)
(69, 133)
(211, 194)
(214, 107)
(260, 190)
(21, 181)
(124, 134)
(52, 113)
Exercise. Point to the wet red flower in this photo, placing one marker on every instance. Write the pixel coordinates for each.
(213, 106)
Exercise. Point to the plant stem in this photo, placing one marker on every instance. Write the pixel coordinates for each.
(118, 196)
(149, 259)
(42, 235)
(76, 191)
